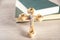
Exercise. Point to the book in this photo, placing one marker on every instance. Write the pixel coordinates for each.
(43, 7)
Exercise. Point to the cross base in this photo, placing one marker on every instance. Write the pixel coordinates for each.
(31, 35)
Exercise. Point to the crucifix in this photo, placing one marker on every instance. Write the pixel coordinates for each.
(31, 32)
(32, 18)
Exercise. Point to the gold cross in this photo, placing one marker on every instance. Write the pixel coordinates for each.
(31, 17)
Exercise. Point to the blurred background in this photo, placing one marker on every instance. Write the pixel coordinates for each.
(9, 30)
(7, 9)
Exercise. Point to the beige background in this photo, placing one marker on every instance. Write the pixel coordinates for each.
(9, 30)
(56, 1)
